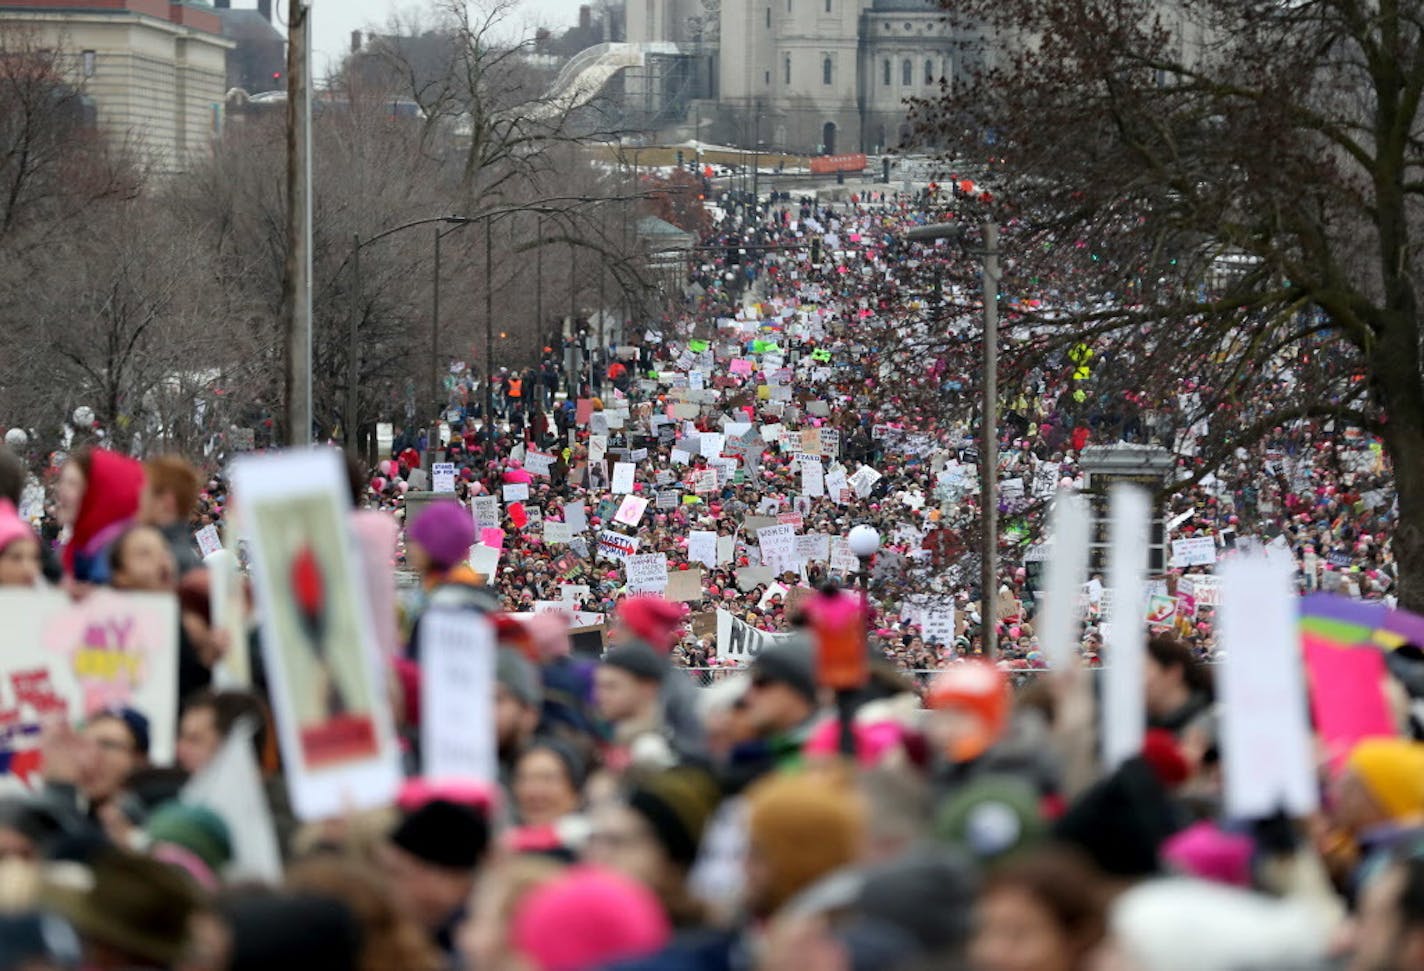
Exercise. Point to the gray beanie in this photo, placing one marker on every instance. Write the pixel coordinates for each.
(519, 677)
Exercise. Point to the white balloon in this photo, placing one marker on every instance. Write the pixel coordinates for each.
(16, 438)
(83, 415)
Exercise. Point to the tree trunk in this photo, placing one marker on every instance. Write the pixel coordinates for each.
(1398, 382)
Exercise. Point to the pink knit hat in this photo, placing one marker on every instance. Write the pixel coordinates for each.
(12, 527)
(586, 918)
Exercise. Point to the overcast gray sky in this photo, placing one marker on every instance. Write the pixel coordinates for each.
(334, 20)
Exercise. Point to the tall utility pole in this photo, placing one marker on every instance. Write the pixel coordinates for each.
(989, 469)
(489, 331)
(297, 280)
(435, 396)
(353, 351)
(989, 427)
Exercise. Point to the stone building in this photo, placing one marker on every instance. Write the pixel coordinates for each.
(154, 72)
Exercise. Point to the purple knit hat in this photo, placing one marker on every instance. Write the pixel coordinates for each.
(446, 531)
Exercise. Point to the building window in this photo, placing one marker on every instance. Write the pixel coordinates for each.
(786, 68)
(929, 72)
(768, 18)
(652, 20)
(788, 6)
(907, 73)
(828, 6)
(886, 65)
(768, 79)
(827, 67)
(89, 64)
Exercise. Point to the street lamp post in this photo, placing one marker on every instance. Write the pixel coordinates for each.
(989, 446)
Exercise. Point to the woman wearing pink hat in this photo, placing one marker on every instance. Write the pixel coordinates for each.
(19, 549)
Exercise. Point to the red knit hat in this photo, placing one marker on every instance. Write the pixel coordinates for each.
(653, 619)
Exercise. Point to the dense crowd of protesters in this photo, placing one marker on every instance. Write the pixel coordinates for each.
(638, 822)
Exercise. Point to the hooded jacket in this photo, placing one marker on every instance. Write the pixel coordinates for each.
(110, 503)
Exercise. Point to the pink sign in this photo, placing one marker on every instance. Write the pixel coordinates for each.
(1346, 695)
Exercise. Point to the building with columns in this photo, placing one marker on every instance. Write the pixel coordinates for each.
(813, 76)
(153, 73)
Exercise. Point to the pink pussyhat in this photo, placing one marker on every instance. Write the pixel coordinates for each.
(12, 527)
(588, 917)
(1202, 850)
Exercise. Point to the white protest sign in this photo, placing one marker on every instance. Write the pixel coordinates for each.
(630, 513)
(1124, 698)
(778, 544)
(646, 572)
(1065, 575)
(516, 491)
(485, 510)
(457, 655)
(836, 485)
(938, 625)
(484, 560)
(702, 547)
(597, 448)
(740, 642)
(711, 444)
(814, 547)
(1194, 551)
(1265, 733)
(813, 479)
(334, 718)
(442, 477)
(556, 532)
(539, 463)
(73, 659)
(613, 545)
(623, 477)
(726, 549)
(576, 516)
(209, 542)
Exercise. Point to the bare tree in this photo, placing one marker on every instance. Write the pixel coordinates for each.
(1226, 190)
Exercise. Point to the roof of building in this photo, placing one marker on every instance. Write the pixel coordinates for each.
(248, 25)
(653, 226)
(907, 6)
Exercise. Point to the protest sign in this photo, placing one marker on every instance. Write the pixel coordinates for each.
(623, 477)
(576, 517)
(813, 479)
(209, 541)
(73, 659)
(684, 586)
(646, 572)
(938, 625)
(702, 547)
(1194, 551)
(1124, 712)
(442, 477)
(778, 543)
(597, 448)
(726, 549)
(741, 642)
(630, 512)
(836, 485)
(485, 510)
(669, 499)
(1066, 574)
(1160, 611)
(515, 491)
(705, 482)
(556, 532)
(539, 463)
(484, 560)
(814, 547)
(1265, 736)
(457, 652)
(333, 715)
(613, 545)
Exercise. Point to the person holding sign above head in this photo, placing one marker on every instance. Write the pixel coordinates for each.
(437, 545)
